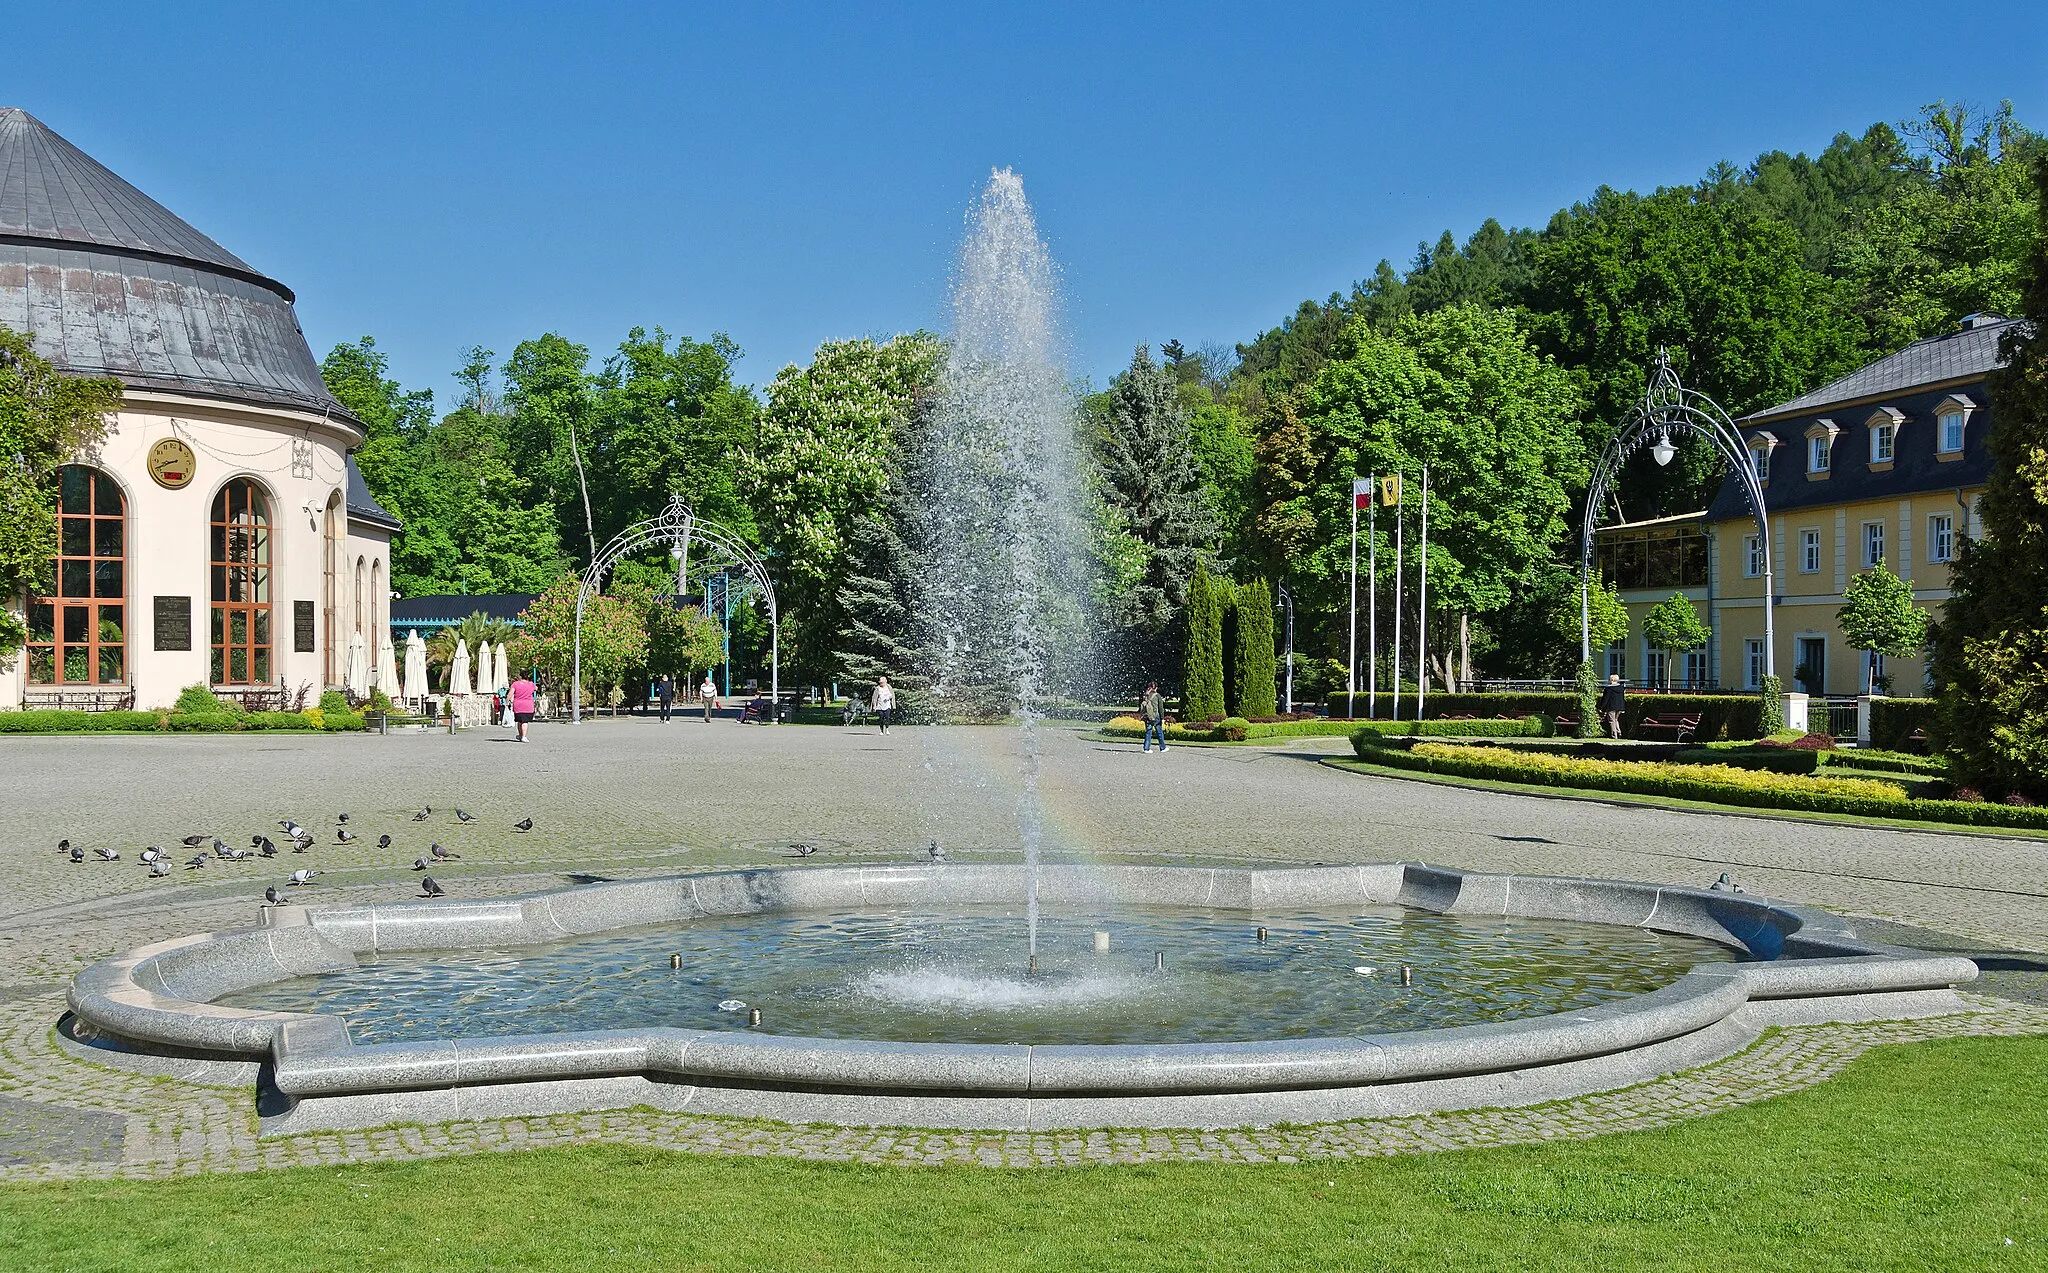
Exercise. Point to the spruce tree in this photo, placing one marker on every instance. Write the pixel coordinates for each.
(1991, 644)
(1254, 653)
(1202, 682)
(1145, 454)
(885, 602)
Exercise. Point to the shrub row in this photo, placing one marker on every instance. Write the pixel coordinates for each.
(1542, 703)
(67, 722)
(1893, 720)
(1888, 763)
(1718, 784)
(51, 721)
(1732, 716)
(1379, 733)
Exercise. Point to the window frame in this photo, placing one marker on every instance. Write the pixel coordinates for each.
(240, 585)
(1752, 556)
(1883, 438)
(1753, 662)
(1941, 542)
(1873, 535)
(1820, 453)
(1942, 425)
(1760, 463)
(95, 600)
(1809, 550)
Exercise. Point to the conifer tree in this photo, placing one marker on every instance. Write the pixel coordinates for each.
(1991, 644)
(1254, 654)
(884, 598)
(1202, 682)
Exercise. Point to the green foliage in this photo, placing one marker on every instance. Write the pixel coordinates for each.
(196, 698)
(1991, 649)
(681, 640)
(475, 629)
(614, 635)
(333, 701)
(1878, 613)
(1606, 618)
(1893, 722)
(1253, 652)
(1492, 703)
(669, 420)
(1202, 675)
(1371, 739)
(822, 455)
(46, 418)
(1717, 784)
(1771, 706)
(1732, 716)
(49, 721)
(1673, 624)
(1589, 700)
(1232, 729)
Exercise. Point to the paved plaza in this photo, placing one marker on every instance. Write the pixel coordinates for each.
(613, 799)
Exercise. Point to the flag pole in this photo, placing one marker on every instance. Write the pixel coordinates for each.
(1372, 605)
(1422, 607)
(1398, 519)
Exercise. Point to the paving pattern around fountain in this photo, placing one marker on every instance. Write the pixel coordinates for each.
(628, 798)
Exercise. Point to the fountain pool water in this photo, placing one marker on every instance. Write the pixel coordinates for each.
(953, 976)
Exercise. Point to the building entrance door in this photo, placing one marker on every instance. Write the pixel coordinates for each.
(1811, 667)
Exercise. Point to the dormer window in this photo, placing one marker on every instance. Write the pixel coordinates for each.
(1884, 435)
(1951, 421)
(1820, 448)
(1761, 444)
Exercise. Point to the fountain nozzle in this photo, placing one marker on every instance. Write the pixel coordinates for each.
(753, 1017)
(1262, 935)
(675, 961)
(1407, 975)
(1158, 961)
(1031, 965)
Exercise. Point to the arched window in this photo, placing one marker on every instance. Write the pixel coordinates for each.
(362, 592)
(240, 548)
(379, 629)
(330, 592)
(78, 635)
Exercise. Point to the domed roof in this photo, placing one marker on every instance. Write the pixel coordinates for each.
(106, 281)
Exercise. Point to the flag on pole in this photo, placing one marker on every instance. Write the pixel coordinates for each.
(1361, 491)
(1390, 490)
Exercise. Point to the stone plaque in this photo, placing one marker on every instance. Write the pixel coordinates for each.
(302, 627)
(173, 623)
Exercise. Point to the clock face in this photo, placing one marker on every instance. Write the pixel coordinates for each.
(171, 463)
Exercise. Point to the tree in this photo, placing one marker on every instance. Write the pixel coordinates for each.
(46, 419)
(614, 635)
(681, 639)
(1878, 616)
(668, 420)
(884, 595)
(549, 390)
(821, 457)
(1990, 660)
(1144, 448)
(1674, 626)
(1202, 679)
(1254, 653)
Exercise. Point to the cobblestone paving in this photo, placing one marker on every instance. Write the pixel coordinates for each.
(627, 798)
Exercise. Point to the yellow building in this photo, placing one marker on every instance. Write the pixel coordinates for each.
(1885, 463)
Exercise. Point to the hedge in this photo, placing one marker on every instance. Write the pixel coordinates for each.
(1128, 726)
(1893, 720)
(1534, 703)
(1732, 716)
(1378, 735)
(1751, 788)
(45, 721)
(1921, 766)
(51, 721)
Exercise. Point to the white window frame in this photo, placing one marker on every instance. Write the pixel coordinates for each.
(1941, 537)
(1697, 671)
(1882, 440)
(1760, 462)
(1809, 551)
(1752, 662)
(1820, 452)
(1753, 557)
(1656, 667)
(1949, 420)
(1617, 658)
(1873, 537)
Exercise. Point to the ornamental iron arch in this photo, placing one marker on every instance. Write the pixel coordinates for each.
(678, 526)
(1669, 408)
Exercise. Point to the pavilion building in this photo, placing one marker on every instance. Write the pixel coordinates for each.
(221, 534)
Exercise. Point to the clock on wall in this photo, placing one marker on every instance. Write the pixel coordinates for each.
(171, 463)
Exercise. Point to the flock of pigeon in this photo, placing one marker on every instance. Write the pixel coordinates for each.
(210, 848)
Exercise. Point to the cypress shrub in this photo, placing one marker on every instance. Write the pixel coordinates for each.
(1233, 640)
(1589, 700)
(1202, 680)
(1256, 664)
(1772, 718)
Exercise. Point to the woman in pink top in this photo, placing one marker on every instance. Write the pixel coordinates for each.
(522, 704)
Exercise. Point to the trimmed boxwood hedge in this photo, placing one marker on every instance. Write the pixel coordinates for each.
(46, 721)
(1722, 716)
(1750, 788)
(1379, 733)
(51, 721)
(1534, 703)
(1893, 720)
(1919, 766)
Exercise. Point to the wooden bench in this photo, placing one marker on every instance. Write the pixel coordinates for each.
(1677, 724)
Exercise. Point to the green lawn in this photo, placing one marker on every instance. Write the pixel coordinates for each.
(1923, 1157)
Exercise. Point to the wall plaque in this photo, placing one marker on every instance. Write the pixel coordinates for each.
(302, 627)
(173, 623)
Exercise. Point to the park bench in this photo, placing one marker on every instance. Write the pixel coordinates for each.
(1677, 724)
(758, 708)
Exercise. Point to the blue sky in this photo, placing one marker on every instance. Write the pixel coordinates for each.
(440, 176)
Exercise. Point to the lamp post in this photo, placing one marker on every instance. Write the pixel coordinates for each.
(1287, 600)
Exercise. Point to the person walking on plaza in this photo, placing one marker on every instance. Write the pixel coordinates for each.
(884, 702)
(523, 691)
(708, 691)
(666, 692)
(1152, 708)
(1613, 700)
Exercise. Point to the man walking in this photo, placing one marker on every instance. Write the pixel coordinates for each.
(1613, 700)
(884, 701)
(666, 692)
(708, 691)
(1152, 709)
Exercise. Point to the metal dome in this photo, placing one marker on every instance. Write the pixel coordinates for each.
(106, 281)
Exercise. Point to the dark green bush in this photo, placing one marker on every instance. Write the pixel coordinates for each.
(1893, 763)
(51, 721)
(279, 720)
(1232, 729)
(341, 721)
(1378, 736)
(206, 722)
(196, 698)
(1893, 720)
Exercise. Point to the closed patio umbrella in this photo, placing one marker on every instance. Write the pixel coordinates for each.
(357, 675)
(415, 665)
(387, 670)
(502, 680)
(459, 680)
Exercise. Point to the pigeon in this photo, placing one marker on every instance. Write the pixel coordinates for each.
(265, 847)
(63, 846)
(936, 853)
(300, 846)
(107, 855)
(272, 896)
(465, 817)
(294, 830)
(197, 862)
(220, 851)
(804, 850)
(152, 854)
(302, 877)
(219, 845)
(1726, 885)
(421, 816)
(383, 841)
(443, 855)
(428, 888)
(342, 817)
(158, 869)
(77, 854)
(524, 824)
(345, 835)
(236, 855)
(194, 841)
(420, 864)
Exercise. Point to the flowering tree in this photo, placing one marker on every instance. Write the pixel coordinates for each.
(614, 635)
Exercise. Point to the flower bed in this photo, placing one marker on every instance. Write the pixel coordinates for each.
(1718, 784)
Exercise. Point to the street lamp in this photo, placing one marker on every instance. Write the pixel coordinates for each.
(1663, 450)
(1287, 599)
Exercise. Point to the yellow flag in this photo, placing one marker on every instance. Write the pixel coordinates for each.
(1390, 491)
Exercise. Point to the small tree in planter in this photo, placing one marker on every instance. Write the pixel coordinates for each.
(1674, 627)
(1878, 615)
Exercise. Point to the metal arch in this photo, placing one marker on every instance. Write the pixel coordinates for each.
(677, 525)
(1669, 407)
